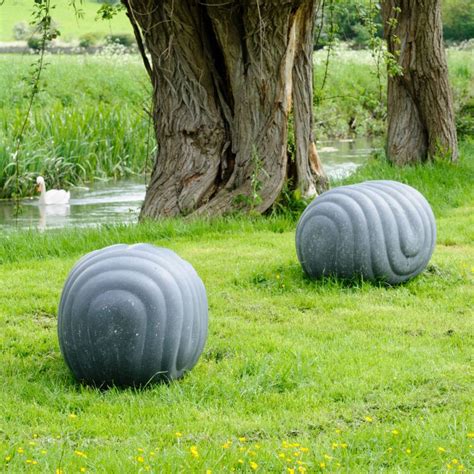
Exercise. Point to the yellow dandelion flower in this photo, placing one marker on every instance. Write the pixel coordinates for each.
(257, 446)
(449, 466)
(281, 455)
(441, 450)
(20, 450)
(43, 451)
(253, 465)
(227, 444)
(395, 432)
(322, 465)
(327, 457)
(295, 445)
(300, 463)
(338, 431)
(80, 454)
(59, 471)
(304, 450)
(178, 434)
(208, 471)
(152, 453)
(34, 462)
(194, 452)
(296, 454)
(368, 419)
(35, 435)
(408, 451)
(460, 468)
(454, 461)
(240, 461)
(334, 445)
(83, 469)
(72, 416)
(301, 469)
(140, 459)
(343, 445)
(29, 461)
(7, 458)
(470, 435)
(242, 439)
(291, 470)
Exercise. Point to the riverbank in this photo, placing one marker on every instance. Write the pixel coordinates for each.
(89, 120)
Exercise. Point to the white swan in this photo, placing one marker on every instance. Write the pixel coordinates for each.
(53, 196)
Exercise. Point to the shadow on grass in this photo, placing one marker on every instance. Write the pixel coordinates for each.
(291, 277)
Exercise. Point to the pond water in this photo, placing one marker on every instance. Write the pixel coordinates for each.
(119, 202)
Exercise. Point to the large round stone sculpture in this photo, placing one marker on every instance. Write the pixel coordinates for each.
(377, 230)
(131, 315)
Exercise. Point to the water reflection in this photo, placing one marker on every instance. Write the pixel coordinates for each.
(51, 213)
(342, 157)
(105, 203)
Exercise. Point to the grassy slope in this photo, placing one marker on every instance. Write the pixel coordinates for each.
(345, 378)
(15, 11)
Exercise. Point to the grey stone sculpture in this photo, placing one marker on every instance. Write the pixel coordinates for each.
(131, 315)
(380, 230)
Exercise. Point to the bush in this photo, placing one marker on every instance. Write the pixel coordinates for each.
(89, 39)
(458, 20)
(34, 42)
(21, 30)
(125, 39)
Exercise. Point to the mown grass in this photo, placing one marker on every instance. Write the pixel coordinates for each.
(296, 374)
(16, 11)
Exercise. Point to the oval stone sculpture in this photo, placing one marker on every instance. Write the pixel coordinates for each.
(380, 230)
(131, 315)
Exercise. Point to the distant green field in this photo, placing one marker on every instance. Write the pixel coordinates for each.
(15, 11)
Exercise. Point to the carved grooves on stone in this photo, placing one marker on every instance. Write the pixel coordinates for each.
(382, 230)
(130, 315)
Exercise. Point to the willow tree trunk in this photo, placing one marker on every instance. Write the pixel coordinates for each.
(420, 107)
(226, 76)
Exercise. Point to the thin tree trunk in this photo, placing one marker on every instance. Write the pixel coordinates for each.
(420, 108)
(223, 81)
(310, 175)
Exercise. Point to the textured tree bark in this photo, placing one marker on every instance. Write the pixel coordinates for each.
(420, 108)
(225, 77)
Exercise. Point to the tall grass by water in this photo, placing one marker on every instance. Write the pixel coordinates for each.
(88, 120)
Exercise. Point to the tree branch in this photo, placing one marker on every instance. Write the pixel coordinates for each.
(139, 38)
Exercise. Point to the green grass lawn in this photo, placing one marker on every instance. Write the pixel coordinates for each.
(15, 11)
(296, 376)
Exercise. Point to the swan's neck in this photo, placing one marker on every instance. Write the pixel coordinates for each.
(43, 192)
